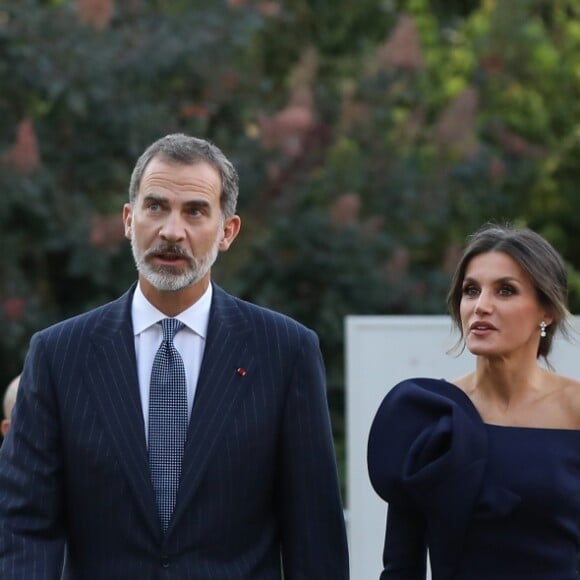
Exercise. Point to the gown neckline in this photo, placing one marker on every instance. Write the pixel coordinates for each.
(464, 397)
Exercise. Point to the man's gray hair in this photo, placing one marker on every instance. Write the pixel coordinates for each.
(184, 149)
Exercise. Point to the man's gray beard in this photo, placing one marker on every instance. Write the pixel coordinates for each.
(165, 278)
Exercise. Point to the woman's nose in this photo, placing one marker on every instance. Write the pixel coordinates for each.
(484, 303)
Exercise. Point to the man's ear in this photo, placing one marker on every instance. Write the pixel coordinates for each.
(128, 219)
(231, 229)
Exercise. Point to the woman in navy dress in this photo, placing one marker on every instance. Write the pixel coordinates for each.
(483, 471)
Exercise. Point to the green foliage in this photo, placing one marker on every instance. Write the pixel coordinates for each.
(371, 137)
(90, 98)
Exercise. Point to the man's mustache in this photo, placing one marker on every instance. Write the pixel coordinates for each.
(169, 250)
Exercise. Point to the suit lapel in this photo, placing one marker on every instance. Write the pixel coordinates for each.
(219, 388)
(114, 384)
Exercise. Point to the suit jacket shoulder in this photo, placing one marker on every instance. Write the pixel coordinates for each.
(270, 329)
(108, 317)
(225, 302)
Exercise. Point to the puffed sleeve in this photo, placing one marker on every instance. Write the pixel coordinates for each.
(427, 450)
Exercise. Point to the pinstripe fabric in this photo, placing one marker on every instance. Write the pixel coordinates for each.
(258, 478)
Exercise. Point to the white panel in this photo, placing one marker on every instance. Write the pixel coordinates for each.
(380, 352)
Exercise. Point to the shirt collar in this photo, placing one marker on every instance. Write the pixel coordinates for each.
(196, 317)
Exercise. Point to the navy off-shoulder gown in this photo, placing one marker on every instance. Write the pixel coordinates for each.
(489, 502)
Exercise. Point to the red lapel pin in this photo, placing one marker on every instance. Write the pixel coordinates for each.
(242, 372)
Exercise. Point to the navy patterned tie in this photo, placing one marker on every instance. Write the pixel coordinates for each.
(168, 418)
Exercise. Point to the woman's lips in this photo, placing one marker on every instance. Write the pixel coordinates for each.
(481, 328)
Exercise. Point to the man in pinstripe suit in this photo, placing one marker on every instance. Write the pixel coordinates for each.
(258, 494)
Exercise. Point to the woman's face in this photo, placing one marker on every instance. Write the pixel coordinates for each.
(500, 312)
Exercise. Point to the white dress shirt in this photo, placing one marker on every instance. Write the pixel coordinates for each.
(190, 342)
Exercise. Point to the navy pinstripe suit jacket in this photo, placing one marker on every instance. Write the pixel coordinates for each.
(259, 483)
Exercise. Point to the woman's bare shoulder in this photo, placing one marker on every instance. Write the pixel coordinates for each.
(569, 390)
(465, 382)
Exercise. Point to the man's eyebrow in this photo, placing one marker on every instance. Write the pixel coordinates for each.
(154, 197)
(197, 203)
(160, 198)
(200, 201)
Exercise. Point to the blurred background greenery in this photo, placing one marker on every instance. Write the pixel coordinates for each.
(371, 137)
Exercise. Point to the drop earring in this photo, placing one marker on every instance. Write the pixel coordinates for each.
(543, 327)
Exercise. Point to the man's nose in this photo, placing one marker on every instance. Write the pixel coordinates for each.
(173, 228)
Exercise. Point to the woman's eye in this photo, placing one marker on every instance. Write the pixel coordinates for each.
(506, 291)
(470, 291)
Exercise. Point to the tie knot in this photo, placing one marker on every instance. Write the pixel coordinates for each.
(170, 326)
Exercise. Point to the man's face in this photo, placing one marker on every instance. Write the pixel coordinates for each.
(176, 226)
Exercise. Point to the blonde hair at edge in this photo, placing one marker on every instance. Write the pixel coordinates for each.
(9, 400)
